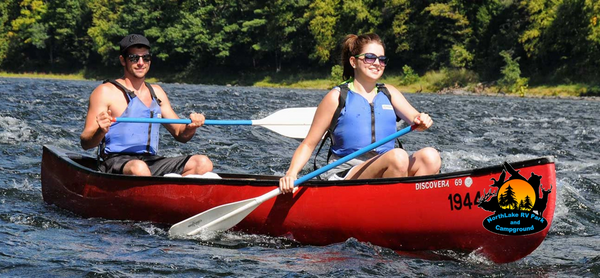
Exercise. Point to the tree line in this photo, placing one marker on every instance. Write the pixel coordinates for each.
(512, 41)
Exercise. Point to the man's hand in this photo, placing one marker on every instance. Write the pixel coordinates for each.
(197, 120)
(104, 120)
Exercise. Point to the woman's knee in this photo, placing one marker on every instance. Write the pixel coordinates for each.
(398, 158)
(431, 158)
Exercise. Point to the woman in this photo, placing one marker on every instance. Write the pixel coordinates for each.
(363, 62)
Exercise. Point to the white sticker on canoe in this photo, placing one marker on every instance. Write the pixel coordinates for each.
(468, 181)
(387, 107)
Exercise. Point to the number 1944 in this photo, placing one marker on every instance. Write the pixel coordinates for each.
(458, 202)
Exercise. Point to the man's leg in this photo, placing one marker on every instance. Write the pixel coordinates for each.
(197, 165)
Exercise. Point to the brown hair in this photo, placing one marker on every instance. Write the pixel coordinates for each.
(352, 45)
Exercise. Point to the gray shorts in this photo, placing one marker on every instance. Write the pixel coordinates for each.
(159, 165)
(341, 172)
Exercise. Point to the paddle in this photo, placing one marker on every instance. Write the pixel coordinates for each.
(226, 216)
(290, 122)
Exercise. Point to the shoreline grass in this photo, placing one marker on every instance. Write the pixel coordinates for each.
(41, 75)
(312, 81)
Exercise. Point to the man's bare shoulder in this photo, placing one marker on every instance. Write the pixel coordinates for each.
(107, 90)
(108, 94)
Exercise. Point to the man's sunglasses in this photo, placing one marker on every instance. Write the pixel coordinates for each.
(134, 58)
(370, 58)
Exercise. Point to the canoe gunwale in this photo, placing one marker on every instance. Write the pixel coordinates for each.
(269, 181)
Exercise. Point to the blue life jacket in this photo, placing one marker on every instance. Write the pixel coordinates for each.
(361, 123)
(344, 147)
(134, 138)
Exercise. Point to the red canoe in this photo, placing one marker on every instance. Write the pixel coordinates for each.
(503, 212)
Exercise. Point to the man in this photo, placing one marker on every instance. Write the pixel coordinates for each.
(130, 148)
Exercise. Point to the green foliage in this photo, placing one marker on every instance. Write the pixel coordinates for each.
(511, 75)
(271, 31)
(359, 17)
(9, 11)
(336, 75)
(460, 57)
(105, 29)
(329, 21)
(560, 39)
(449, 28)
(499, 24)
(541, 14)
(29, 27)
(67, 30)
(409, 76)
(26, 33)
(594, 21)
(323, 16)
(203, 30)
(550, 40)
(452, 78)
(3, 30)
(401, 24)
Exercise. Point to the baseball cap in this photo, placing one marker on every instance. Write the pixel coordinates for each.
(133, 39)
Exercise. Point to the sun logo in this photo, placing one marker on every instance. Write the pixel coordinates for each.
(516, 195)
(518, 203)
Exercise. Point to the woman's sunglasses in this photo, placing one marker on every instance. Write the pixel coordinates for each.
(134, 58)
(370, 58)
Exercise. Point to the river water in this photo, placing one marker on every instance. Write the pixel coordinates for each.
(37, 239)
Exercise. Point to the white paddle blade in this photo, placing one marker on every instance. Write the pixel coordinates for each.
(219, 218)
(290, 122)
(296, 132)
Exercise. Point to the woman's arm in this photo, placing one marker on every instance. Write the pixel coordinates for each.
(407, 112)
(319, 126)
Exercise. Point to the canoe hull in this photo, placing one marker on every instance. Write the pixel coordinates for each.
(438, 212)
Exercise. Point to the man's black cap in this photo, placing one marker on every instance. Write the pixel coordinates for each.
(131, 40)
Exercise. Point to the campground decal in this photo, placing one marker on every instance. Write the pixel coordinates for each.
(517, 204)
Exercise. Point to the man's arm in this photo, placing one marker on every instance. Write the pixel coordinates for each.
(180, 132)
(98, 118)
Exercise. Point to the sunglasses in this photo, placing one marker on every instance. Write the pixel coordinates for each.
(134, 58)
(370, 58)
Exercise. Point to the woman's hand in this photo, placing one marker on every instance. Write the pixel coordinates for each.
(423, 121)
(286, 184)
